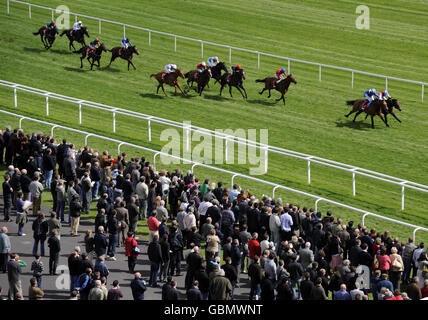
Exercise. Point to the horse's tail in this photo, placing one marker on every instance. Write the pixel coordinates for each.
(350, 102)
(153, 75)
(261, 80)
(36, 33)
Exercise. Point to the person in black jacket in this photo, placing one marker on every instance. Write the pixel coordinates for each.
(75, 208)
(154, 252)
(48, 166)
(165, 247)
(194, 261)
(54, 250)
(86, 283)
(85, 263)
(296, 273)
(230, 272)
(25, 184)
(100, 242)
(172, 293)
(267, 289)
(176, 244)
(96, 178)
(73, 267)
(40, 230)
(127, 188)
(306, 287)
(202, 278)
(113, 229)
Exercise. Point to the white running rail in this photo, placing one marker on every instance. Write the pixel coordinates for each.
(202, 42)
(227, 138)
(234, 174)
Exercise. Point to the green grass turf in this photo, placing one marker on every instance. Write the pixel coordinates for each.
(312, 120)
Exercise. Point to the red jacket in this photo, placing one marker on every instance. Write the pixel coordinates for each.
(153, 223)
(254, 249)
(384, 262)
(130, 243)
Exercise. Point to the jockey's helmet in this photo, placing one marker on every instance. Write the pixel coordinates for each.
(239, 67)
(216, 58)
(283, 70)
(203, 63)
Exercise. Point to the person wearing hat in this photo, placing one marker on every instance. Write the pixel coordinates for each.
(115, 293)
(93, 45)
(280, 74)
(212, 61)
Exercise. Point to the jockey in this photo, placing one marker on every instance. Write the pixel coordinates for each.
(384, 95)
(169, 68)
(50, 25)
(77, 25)
(370, 95)
(125, 42)
(212, 62)
(280, 74)
(234, 68)
(93, 45)
(201, 66)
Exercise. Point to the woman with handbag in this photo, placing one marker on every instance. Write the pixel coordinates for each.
(384, 260)
(397, 268)
(422, 273)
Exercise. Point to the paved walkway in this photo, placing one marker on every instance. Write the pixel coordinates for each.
(53, 286)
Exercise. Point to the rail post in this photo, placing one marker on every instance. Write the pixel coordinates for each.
(364, 218)
(202, 48)
(150, 130)
(52, 130)
(8, 7)
(150, 38)
(175, 44)
(414, 234)
(316, 204)
(273, 191)
(52, 11)
(352, 81)
(154, 160)
(124, 31)
(289, 68)
(230, 55)
(15, 97)
(233, 177)
(80, 113)
(118, 147)
(114, 122)
(386, 83)
(193, 167)
(309, 169)
(99, 26)
(47, 105)
(422, 99)
(258, 60)
(29, 11)
(86, 139)
(319, 77)
(353, 183)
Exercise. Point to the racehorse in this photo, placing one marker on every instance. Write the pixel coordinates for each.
(95, 55)
(282, 86)
(191, 77)
(216, 71)
(233, 80)
(78, 36)
(125, 54)
(170, 79)
(391, 104)
(377, 107)
(47, 36)
(203, 79)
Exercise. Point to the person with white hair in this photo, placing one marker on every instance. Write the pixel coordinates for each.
(96, 292)
(161, 211)
(306, 255)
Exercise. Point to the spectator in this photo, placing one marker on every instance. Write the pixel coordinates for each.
(37, 268)
(397, 267)
(7, 197)
(13, 273)
(306, 287)
(318, 292)
(113, 228)
(138, 287)
(384, 283)
(154, 253)
(85, 284)
(194, 293)
(413, 290)
(255, 272)
(101, 267)
(21, 213)
(131, 251)
(54, 224)
(75, 209)
(5, 248)
(36, 190)
(220, 287)
(133, 214)
(194, 262)
(96, 292)
(54, 250)
(422, 272)
(407, 260)
(73, 267)
(165, 248)
(87, 185)
(176, 244)
(60, 201)
(306, 256)
(253, 248)
(342, 294)
(34, 292)
(40, 230)
(142, 191)
(424, 290)
(100, 242)
(153, 224)
(115, 293)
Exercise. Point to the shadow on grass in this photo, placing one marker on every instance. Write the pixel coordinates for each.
(36, 50)
(62, 51)
(152, 95)
(109, 69)
(359, 125)
(76, 69)
(216, 97)
(263, 102)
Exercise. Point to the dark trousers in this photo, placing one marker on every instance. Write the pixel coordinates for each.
(112, 244)
(175, 263)
(7, 207)
(255, 288)
(154, 270)
(53, 262)
(190, 275)
(164, 270)
(132, 261)
(3, 262)
(42, 245)
(407, 269)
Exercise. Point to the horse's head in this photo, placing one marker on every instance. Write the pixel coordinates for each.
(396, 104)
(85, 31)
(179, 73)
(242, 72)
(135, 50)
(292, 79)
(102, 47)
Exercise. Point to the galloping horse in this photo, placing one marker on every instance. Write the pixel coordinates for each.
(282, 86)
(216, 71)
(95, 55)
(47, 36)
(233, 80)
(377, 107)
(170, 79)
(203, 79)
(125, 54)
(191, 77)
(391, 104)
(78, 36)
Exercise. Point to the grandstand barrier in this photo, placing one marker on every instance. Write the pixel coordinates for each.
(202, 42)
(227, 138)
(233, 174)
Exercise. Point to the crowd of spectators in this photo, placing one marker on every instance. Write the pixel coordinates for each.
(221, 235)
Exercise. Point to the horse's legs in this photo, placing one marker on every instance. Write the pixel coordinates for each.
(357, 114)
(283, 98)
(384, 120)
(245, 91)
(393, 114)
(163, 89)
(157, 90)
(230, 90)
(350, 112)
(81, 61)
(372, 121)
(269, 94)
(221, 89)
(261, 92)
(178, 85)
(130, 62)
